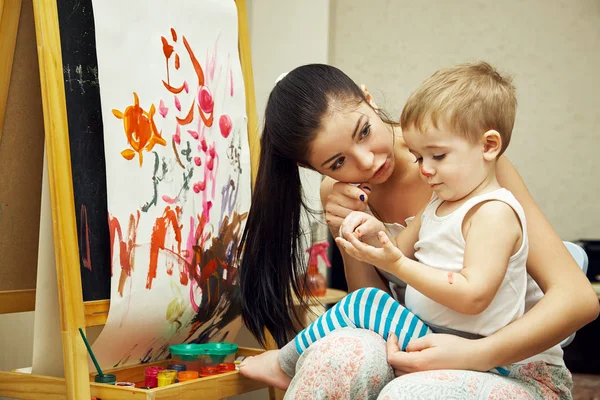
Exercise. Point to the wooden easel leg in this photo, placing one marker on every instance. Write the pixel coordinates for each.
(61, 195)
(10, 10)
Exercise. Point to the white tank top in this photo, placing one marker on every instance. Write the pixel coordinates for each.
(441, 245)
(533, 294)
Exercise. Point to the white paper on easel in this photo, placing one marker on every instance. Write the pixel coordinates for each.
(178, 173)
(47, 340)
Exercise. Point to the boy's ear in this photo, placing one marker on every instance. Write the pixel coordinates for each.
(492, 145)
(369, 97)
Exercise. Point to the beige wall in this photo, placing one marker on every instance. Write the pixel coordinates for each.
(551, 47)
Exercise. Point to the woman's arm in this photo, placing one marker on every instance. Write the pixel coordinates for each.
(358, 274)
(569, 301)
(568, 304)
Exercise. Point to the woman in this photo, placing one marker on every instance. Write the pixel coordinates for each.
(319, 118)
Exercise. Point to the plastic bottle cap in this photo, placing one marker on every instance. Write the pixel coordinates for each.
(109, 379)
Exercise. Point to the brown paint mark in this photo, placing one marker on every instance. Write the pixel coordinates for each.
(126, 247)
(208, 267)
(450, 278)
(170, 218)
(177, 154)
(84, 238)
(140, 129)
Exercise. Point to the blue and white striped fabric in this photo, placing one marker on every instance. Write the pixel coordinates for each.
(367, 308)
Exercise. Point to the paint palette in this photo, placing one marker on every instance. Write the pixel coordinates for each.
(207, 353)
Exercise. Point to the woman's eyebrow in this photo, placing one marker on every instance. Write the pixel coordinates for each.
(331, 158)
(357, 125)
(353, 136)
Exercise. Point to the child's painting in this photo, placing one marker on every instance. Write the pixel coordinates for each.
(178, 173)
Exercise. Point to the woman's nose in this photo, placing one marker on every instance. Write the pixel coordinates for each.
(365, 160)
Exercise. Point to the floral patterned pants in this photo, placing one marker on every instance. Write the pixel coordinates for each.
(351, 364)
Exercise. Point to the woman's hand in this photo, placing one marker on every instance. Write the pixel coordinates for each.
(342, 199)
(437, 351)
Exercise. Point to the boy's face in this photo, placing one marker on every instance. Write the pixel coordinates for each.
(453, 166)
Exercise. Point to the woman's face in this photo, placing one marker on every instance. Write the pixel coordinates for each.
(354, 146)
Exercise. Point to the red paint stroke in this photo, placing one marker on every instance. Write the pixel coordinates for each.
(177, 62)
(230, 82)
(195, 62)
(177, 135)
(189, 117)
(199, 186)
(174, 34)
(193, 134)
(169, 200)
(174, 90)
(162, 109)
(83, 225)
(225, 125)
(170, 218)
(197, 161)
(450, 278)
(177, 103)
(205, 100)
(167, 50)
(126, 247)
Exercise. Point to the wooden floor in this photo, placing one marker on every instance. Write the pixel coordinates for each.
(586, 387)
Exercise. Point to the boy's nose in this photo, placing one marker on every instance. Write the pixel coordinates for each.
(426, 172)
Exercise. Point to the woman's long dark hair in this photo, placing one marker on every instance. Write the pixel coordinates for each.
(272, 261)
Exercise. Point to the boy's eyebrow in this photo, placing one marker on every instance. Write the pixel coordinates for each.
(353, 135)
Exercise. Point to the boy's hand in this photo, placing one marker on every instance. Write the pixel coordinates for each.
(388, 257)
(361, 225)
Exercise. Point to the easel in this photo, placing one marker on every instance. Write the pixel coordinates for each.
(74, 313)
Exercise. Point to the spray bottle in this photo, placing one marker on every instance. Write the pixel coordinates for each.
(315, 281)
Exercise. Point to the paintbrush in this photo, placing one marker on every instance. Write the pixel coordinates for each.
(101, 377)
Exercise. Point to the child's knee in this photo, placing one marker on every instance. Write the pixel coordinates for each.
(370, 291)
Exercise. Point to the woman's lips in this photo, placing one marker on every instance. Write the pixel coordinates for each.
(380, 171)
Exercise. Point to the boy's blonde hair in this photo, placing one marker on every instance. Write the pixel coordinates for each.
(470, 99)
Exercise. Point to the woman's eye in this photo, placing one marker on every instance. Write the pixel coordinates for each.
(418, 159)
(366, 131)
(439, 157)
(337, 164)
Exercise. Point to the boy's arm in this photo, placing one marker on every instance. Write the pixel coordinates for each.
(491, 234)
(408, 237)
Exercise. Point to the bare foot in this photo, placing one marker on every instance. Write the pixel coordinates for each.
(265, 368)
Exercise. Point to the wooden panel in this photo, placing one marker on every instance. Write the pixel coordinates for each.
(9, 26)
(14, 301)
(32, 387)
(213, 387)
(21, 148)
